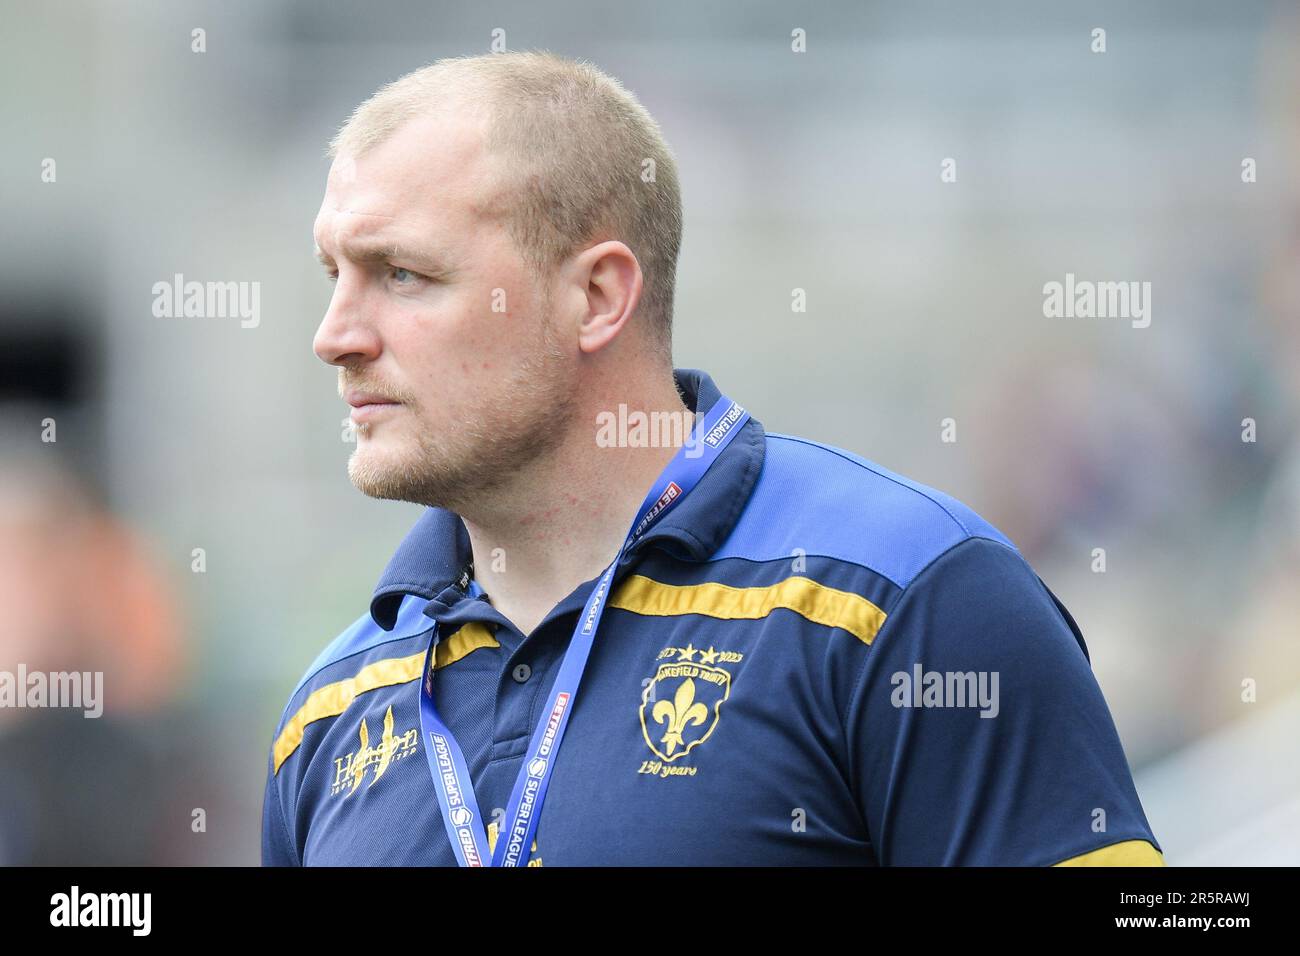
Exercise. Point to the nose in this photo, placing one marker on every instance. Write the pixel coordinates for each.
(345, 337)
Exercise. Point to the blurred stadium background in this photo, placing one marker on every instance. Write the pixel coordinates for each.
(817, 171)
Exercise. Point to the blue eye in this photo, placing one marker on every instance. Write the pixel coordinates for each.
(399, 273)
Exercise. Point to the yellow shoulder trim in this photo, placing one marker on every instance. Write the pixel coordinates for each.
(806, 597)
(333, 699)
(1126, 853)
(470, 637)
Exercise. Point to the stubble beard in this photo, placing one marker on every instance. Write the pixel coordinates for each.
(525, 419)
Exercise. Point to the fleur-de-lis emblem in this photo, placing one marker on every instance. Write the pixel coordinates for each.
(681, 711)
(680, 706)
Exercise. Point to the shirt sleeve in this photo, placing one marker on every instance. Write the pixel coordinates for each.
(277, 846)
(977, 733)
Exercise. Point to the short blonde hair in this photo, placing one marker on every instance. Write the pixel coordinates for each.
(584, 159)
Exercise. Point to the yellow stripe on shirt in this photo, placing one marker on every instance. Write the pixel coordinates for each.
(333, 699)
(806, 597)
(1126, 853)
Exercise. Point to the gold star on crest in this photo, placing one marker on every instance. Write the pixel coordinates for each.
(687, 653)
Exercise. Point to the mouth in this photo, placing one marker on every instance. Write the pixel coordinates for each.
(356, 398)
(366, 406)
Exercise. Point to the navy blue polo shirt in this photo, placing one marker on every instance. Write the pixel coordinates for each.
(810, 660)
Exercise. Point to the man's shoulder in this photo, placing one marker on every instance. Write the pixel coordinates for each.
(827, 501)
(363, 644)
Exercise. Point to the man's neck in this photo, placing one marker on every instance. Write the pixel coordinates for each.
(563, 519)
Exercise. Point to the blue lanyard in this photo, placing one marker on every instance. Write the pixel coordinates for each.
(460, 811)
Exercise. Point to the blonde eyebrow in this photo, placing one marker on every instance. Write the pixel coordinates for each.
(361, 251)
(367, 250)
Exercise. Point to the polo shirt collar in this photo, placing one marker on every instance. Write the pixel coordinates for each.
(436, 551)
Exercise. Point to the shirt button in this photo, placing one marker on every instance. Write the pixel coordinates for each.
(521, 673)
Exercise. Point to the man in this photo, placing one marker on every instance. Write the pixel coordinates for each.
(729, 647)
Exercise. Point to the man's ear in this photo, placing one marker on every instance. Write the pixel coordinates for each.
(610, 280)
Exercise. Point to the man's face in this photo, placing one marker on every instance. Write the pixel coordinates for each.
(446, 349)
